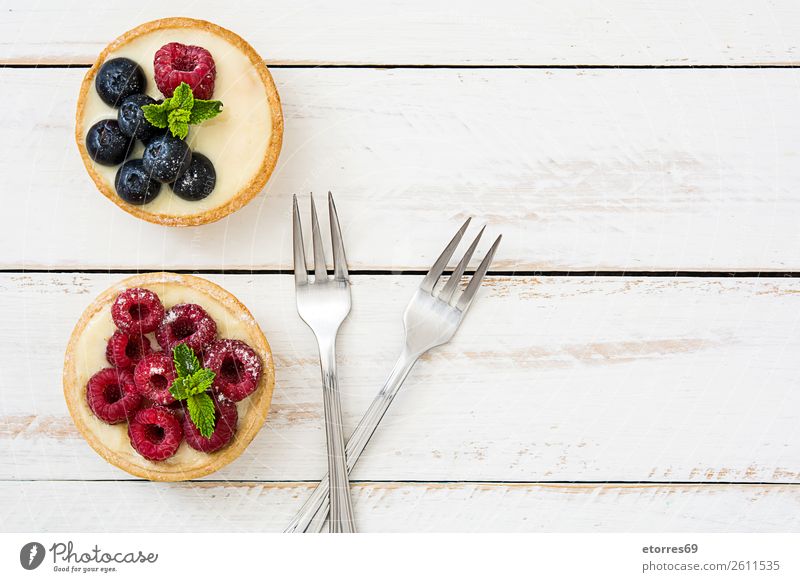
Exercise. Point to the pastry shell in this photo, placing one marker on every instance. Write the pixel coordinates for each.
(257, 404)
(249, 190)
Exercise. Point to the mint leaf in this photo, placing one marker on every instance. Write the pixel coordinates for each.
(179, 122)
(204, 109)
(179, 129)
(181, 388)
(201, 381)
(191, 385)
(181, 115)
(182, 98)
(156, 113)
(181, 110)
(201, 411)
(186, 362)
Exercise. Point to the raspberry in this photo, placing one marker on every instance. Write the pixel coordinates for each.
(177, 63)
(111, 395)
(176, 408)
(155, 433)
(124, 351)
(225, 427)
(137, 311)
(237, 368)
(153, 376)
(188, 324)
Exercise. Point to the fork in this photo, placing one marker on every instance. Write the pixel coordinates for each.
(430, 320)
(323, 304)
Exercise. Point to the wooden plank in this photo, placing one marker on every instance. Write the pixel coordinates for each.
(552, 379)
(510, 32)
(620, 170)
(54, 506)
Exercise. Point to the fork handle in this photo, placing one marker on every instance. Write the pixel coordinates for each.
(311, 516)
(341, 506)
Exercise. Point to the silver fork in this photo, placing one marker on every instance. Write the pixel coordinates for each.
(324, 304)
(430, 320)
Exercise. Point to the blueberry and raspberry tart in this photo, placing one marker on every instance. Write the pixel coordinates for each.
(179, 122)
(168, 376)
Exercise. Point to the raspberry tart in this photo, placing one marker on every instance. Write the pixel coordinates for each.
(179, 122)
(168, 376)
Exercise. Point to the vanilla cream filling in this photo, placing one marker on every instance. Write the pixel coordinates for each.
(235, 141)
(90, 358)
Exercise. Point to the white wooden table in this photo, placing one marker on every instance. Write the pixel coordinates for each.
(631, 365)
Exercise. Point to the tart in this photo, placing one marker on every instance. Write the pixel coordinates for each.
(238, 148)
(141, 428)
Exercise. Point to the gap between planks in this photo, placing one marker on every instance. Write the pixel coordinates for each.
(419, 272)
(422, 32)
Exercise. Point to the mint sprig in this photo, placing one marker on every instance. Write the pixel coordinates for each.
(192, 384)
(181, 110)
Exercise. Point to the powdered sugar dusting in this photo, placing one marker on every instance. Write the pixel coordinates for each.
(233, 321)
(170, 317)
(179, 319)
(244, 358)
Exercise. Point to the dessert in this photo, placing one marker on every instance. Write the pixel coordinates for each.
(179, 122)
(168, 376)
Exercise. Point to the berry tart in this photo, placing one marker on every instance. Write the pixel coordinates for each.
(179, 122)
(168, 376)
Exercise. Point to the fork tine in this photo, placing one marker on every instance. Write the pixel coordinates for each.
(469, 293)
(300, 274)
(320, 270)
(452, 283)
(339, 258)
(429, 282)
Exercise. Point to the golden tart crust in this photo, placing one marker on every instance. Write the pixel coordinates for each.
(245, 193)
(190, 464)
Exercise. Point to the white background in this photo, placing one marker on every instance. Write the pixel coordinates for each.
(426, 557)
(613, 144)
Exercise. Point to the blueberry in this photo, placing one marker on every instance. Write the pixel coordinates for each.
(160, 132)
(166, 157)
(197, 181)
(106, 143)
(134, 185)
(119, 78)
(131, 117)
